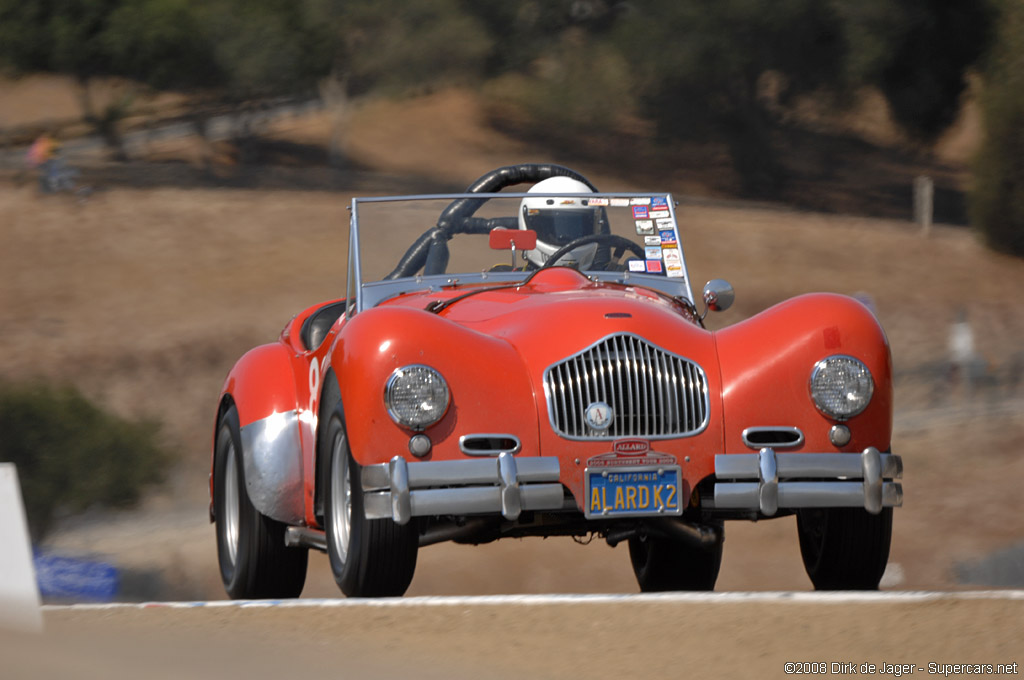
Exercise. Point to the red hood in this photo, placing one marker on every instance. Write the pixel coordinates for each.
(560, 311)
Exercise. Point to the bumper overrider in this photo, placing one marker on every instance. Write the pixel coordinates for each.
(504, 484)
(768, 481)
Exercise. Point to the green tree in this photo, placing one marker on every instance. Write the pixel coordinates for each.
(153, 41)
(698, 67)
(552, 66)
(160, 43)
(406, 45)
(71, 455)
(996, 197)
(265, 47)
(917, 53)
(522, 32)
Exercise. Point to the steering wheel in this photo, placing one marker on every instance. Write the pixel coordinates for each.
(619, 243)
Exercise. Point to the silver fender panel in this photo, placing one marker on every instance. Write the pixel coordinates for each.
(272, 460)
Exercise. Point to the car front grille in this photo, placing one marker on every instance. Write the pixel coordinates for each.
(652, 393)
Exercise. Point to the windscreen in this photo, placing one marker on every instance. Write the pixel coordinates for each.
(611, 236)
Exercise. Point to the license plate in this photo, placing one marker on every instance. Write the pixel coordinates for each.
(633, 492)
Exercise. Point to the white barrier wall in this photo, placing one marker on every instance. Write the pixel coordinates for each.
(19, 592)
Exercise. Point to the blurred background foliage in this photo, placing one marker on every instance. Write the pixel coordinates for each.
(73, 456)
(685, 70)
(997, 191)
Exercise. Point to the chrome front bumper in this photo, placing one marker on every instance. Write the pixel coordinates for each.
(400, 490)
(808, 480)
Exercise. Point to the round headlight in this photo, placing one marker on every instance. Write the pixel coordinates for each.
(416, 396)
(841, 386)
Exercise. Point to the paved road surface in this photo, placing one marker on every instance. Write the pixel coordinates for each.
(595, 637)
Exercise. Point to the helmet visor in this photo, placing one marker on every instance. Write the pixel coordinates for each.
(559, 227)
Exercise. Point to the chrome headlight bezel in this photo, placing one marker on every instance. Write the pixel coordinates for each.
(841, 386)
(416, 383)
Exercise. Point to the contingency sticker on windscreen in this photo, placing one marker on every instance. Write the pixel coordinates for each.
(673, 261)
(653, 219)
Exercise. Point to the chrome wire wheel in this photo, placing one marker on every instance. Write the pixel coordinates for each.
(341, 498)
(231, 504)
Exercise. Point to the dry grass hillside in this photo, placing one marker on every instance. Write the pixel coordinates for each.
(145, 293)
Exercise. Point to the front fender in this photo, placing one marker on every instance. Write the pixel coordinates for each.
(766, 363)
(490, 389)
(262, 386)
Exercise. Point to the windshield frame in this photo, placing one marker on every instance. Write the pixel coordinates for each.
(369, 294)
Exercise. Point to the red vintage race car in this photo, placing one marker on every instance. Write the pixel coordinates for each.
(536, 364)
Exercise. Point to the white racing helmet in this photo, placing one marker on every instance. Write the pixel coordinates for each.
(559, 221)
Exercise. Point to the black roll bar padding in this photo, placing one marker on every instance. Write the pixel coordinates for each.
(485, 225)
(416, 256)
(461, 209)
(437, 255)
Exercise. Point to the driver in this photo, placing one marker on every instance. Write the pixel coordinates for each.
(559, 221)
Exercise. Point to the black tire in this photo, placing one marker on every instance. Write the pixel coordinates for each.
(254, 561)
(844, 548)
(663, 564)
(369, 557)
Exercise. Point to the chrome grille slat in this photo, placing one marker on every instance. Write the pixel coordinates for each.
(695, 395)
(657, 408)
(619, 382)
(666, 393)
(567, 403)
(653, 393)
(672, 385)
(645, 392)
(635, 377)
(689, 395)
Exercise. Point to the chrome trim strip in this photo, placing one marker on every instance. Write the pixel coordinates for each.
(272, 461)
(355, 262)
(795, 495)
(633, 373)
(794, 480)
(504, 485)
(464, 439)
(372, 293)
(739, 466)
(796, 432)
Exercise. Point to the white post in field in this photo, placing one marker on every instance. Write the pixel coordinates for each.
(924, 197)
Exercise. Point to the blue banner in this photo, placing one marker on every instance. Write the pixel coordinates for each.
(68, 578)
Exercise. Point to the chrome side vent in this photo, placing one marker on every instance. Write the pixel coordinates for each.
(489, 444)
(652, 393)
(772, 437)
